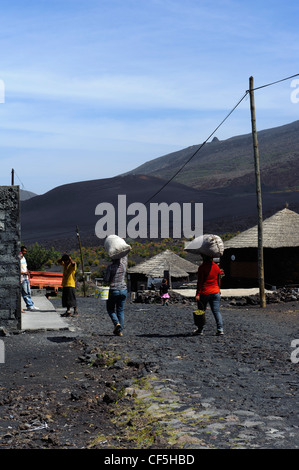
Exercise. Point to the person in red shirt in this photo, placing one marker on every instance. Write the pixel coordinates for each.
(208, 290)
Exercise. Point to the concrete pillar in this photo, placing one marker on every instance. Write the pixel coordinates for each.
(10, 245)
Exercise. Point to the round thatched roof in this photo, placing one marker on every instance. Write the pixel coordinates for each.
(166, 261)
(280, 230)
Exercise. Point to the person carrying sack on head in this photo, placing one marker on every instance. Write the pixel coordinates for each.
(115, 277)
(208, 291)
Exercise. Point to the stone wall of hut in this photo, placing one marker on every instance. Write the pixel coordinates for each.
(10, 289)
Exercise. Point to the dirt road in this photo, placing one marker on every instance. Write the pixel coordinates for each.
(158, 386)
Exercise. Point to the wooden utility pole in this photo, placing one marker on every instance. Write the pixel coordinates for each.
(259, 197)
(82, 262)
(12, 177)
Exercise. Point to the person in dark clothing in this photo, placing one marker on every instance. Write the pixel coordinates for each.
(164, 292)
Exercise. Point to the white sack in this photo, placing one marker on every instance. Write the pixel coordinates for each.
(116, 247)
(209, 245)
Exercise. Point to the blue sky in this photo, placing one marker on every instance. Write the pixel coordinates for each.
(95, 88)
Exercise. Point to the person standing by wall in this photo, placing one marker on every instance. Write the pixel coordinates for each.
(68, 285)
(115, 277)
(25, 284)
(208, 290)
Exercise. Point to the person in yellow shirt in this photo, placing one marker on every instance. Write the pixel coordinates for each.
(68, 285)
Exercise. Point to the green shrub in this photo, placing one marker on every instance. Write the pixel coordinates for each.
(37, 257)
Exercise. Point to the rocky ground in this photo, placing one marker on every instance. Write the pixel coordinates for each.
(157, 386)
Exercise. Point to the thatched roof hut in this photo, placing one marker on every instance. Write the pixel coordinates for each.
(281, 253)
(280, 230)
(155, 268)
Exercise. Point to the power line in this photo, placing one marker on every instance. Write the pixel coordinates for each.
(23, 187)
(274, 83)
(193, 155)
(27, 239)
(201, 146)
(215, 130)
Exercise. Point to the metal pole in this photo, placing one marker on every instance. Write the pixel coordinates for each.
(259, 197)
(82, 262)
(12, 177)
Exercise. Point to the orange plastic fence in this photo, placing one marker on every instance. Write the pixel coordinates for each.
(43, 279)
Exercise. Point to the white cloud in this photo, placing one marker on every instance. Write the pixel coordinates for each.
(136, 80)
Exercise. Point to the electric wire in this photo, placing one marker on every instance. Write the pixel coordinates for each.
(200, 147)
(23, 187)
(222, 122)
(274, 83)
(212, 133)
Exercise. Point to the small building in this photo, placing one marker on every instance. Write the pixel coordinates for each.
(280, 249)
(166, 264)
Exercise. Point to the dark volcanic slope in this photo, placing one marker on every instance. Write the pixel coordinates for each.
(54, 216)
(229, 163)
(56, 213)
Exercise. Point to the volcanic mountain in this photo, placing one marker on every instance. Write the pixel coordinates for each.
(230, 164)
(221, 176)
